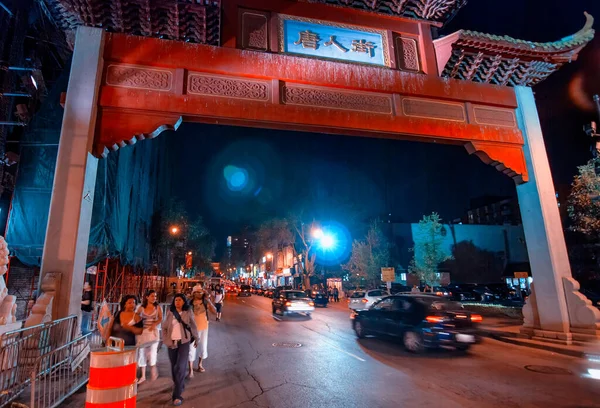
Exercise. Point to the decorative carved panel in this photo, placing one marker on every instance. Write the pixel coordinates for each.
(486, 115)
(334, 99)
(131, 76)
(407, 54)
(424, 108)
(230, 87)
(254, 30)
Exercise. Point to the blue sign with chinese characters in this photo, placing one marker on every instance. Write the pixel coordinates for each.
(333, 42)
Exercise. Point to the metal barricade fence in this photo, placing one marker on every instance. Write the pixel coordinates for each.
(59, 373)
(20, 349)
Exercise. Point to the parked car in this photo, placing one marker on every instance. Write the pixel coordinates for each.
(292, 301)
(268, 293)
(464, 292)
(259, 291)
(421, 321)
(361, 300)
(245, 290)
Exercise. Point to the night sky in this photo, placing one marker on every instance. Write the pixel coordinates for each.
(351, 180)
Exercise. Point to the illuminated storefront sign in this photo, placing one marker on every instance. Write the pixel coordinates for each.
(333, 41)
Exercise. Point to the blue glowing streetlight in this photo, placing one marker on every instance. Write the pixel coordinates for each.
(327, 241)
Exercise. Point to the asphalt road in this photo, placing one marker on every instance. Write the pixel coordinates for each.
(331, 368)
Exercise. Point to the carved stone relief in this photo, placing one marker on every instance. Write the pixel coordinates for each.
(485, 115)
(255, 31)
(333, 99)
(407, 54)
(424, 108)
(231, 87)
(129, 76)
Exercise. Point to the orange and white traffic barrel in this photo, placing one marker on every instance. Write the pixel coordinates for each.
(112, 381)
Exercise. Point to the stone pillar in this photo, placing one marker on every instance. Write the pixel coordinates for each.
(69, 219)
(551, 312)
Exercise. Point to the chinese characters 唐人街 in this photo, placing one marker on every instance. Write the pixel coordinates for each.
(308, 39)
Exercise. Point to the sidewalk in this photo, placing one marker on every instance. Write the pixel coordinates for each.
(507, 330)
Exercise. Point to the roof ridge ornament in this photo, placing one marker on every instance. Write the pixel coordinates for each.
(522, 62)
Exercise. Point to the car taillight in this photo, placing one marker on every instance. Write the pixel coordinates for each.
(365, 300)
(434, 319)
(476, 318)
(288, 303)
(438, 293)
(311, 303)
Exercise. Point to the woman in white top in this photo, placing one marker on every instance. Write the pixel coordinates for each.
(219, 297)
(201, 304)
(152, 316)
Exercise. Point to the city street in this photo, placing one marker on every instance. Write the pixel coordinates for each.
(332, 368)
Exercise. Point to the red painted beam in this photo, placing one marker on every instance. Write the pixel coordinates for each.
(303, 117)
(196, 57)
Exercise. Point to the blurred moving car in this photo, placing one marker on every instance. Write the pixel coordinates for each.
(292, 301)
(421, 321)
(245, 290)
(278, 289)
(362, 300)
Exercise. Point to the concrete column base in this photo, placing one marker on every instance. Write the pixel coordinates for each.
(547, 335)
(584, 318)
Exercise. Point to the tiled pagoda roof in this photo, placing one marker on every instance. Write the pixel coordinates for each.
(185, 20)
(200, 20)
(502, 60)
(436, 11)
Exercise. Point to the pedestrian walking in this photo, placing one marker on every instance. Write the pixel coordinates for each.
(415, 289)
(201, 304)
(126, 323)
(219, 297)
(151, 314)
(87, 307)
(179, 332)
(336, 294)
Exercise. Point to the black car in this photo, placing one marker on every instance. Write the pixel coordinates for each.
(421, 321)
(245, 290)
(320, 299)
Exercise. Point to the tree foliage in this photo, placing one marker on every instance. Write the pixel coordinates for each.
(583, 204)
(428, 252)
(472, 264)
(369, 256)
(273, 234)
(191, 235)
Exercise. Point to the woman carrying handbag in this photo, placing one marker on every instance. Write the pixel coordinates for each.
(179, 332)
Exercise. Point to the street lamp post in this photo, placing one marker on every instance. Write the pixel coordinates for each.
(174, 231)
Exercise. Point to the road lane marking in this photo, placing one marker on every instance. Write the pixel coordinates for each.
(334, 346)
(345, 352)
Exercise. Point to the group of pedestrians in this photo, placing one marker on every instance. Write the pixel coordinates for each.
(334, 294)
(184, 331)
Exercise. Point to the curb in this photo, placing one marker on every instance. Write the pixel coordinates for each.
(512, 338)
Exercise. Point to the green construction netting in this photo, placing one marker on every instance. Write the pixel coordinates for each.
(131, 185)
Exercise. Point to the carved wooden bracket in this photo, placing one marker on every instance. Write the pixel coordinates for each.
(508, 159)
(117, 128)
